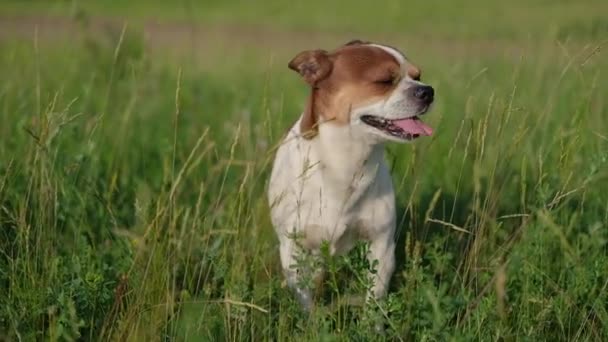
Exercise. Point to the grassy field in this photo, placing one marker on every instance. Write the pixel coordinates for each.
(136, 142)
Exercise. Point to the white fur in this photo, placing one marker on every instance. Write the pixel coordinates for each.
(397, 54)
(334, 188)
(337, 188)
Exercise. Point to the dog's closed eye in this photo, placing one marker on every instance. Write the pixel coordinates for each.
(386, 80)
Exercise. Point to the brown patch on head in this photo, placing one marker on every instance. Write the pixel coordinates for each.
(361, 74)
(354, 75)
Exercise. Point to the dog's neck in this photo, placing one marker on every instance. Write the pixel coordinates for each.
(348, 157)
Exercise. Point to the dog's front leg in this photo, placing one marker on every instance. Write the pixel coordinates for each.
(382, 254)
(294, 272)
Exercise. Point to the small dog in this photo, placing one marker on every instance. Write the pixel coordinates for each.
(329, 181)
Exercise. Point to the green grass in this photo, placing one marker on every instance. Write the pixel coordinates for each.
(132, 183)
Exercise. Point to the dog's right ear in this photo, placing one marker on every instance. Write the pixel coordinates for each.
(313, 65)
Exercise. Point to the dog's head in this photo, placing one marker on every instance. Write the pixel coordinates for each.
(371, 87)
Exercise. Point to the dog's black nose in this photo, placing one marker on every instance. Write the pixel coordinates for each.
(424, 93)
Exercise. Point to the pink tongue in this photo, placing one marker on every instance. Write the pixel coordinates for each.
(413, 126)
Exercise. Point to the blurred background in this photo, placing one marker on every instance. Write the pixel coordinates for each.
(136, 139)
(208, 30)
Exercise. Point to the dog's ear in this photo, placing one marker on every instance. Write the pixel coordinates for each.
(355, 42)
(313, 65)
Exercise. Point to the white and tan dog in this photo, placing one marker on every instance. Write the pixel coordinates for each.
(330, 181)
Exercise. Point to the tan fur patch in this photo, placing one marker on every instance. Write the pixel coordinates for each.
(352, 76)
(361, 75)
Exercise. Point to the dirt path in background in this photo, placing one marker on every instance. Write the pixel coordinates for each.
(183, 38)
(156, 33)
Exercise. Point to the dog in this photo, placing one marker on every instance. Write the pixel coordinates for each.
(330, 182)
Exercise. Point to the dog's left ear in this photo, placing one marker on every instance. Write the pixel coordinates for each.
(313, 65)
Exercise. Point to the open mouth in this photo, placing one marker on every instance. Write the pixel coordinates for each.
(405, 129)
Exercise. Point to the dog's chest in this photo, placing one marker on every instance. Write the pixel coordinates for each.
(334, 188)
(350, 208)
